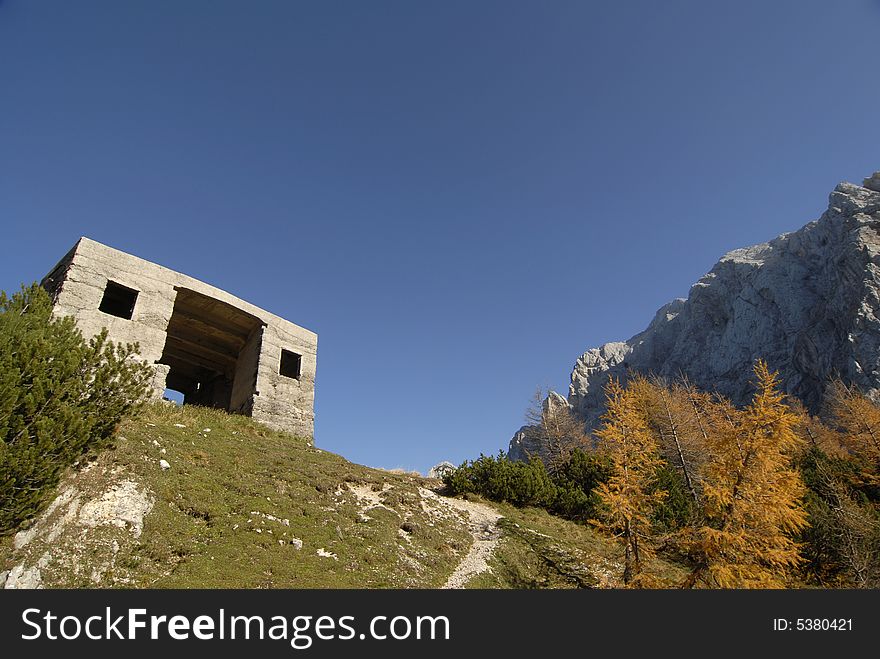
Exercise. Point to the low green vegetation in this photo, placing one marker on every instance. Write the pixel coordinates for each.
(841, 545)
(568, 492)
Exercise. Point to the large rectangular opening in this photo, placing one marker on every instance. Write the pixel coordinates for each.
(212, 349)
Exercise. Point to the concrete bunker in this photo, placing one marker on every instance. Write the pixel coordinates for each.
(210, 346)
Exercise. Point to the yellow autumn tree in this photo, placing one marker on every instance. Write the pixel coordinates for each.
(752, 494)
(815, 434)
(627, 496)
(675, 416)
(859, 423)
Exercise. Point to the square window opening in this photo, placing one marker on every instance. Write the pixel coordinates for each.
(118, 300)
(291, 364)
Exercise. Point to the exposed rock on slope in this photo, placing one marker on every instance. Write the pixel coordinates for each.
(808, 302)
(109, 521)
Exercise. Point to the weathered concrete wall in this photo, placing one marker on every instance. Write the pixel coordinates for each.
(245, 383)
(281, 402)
(284, 400)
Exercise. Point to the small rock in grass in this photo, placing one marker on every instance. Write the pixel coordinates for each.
(164, 464)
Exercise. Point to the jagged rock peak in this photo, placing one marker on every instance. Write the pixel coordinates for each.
(527, 441)
(440, 469)
(808, 302)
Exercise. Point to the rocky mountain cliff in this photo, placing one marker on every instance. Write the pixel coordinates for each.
(808, 302)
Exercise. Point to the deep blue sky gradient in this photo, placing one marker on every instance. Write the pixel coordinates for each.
(459, 197)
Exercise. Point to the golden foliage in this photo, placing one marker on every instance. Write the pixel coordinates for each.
(815, 434)
(634, 452)
(739, 500)
(752, 493)
(859, 422)
(676, 415)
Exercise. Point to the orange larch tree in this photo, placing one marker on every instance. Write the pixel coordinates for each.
(858, 421)
(635, 455)
(753, 494)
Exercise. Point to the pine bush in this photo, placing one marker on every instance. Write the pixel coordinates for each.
(568, 493)
(60, 397)
(575, 482)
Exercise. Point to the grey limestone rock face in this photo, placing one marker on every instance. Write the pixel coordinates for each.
(808, 302)
(528, 441)
(525, 443)
(440, 469)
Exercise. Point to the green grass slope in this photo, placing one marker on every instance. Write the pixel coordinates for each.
(240, 506)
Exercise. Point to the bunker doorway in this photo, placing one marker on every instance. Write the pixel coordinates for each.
(213, 351)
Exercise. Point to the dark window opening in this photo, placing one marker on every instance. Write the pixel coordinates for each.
(118, 300)
(291, 364)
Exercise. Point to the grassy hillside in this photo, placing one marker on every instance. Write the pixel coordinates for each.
(237, 505)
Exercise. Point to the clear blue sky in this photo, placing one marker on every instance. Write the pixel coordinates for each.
(459, 197)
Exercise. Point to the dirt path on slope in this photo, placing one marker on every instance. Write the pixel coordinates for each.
(483, 525)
